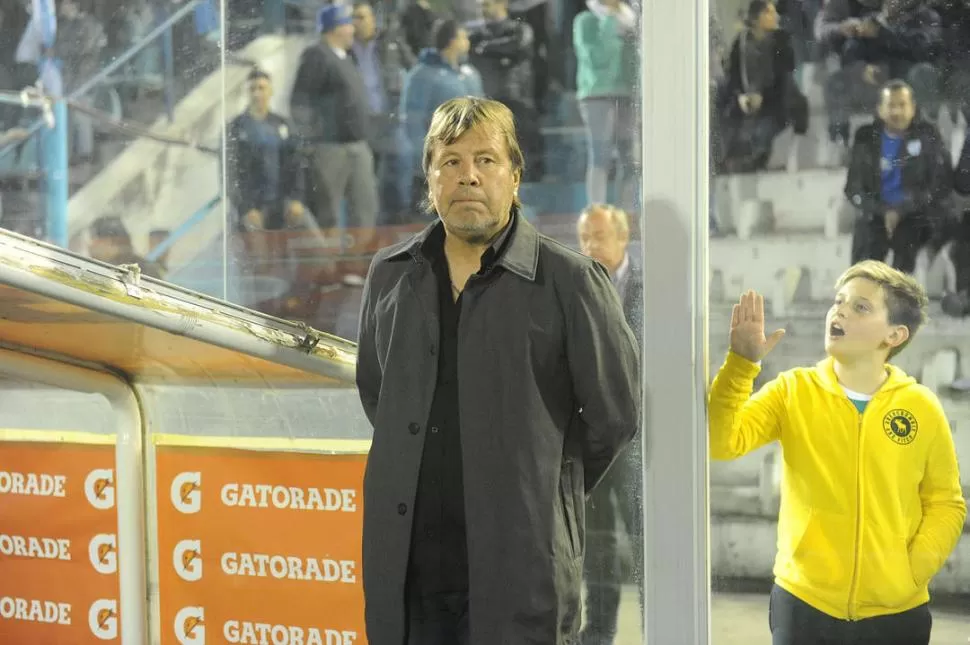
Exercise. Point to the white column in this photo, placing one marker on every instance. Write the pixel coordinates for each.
(674, 226)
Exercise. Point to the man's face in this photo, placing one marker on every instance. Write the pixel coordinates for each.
(364, 23)
(857, 325)
(342, 35)
(472, 183)
(105, 248)
(493, 10)
(600, 239)
(897, 109)
(260, 93)
(460, 44)
(768, 20)
(69, 9)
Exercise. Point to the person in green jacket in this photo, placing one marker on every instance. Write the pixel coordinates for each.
(604, 37)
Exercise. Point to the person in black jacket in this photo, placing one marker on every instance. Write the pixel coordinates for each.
(502, 51)
(878, 40)
(900, 180)
(604, 235)
(264, 171)
(760, 97)
(331, 111)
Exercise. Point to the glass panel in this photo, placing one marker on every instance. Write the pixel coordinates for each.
(31, 406)
(347, 132)
(117, 153)
(831, 147)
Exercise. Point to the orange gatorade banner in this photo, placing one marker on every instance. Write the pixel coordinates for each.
(259, 547)
(58, 539)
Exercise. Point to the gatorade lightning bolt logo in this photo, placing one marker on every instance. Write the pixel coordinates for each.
(186, 492)
(103, 552)
(99, 489)
(190, 626)
(103, 619)
(187, 560)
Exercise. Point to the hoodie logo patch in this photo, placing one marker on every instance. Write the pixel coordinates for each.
(900, 426)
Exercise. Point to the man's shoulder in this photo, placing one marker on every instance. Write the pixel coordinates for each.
(556, 255)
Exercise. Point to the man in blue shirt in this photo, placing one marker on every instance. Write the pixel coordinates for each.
(264, 171)
(900, 178)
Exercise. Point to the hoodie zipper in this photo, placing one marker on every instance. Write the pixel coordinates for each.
(858, 518)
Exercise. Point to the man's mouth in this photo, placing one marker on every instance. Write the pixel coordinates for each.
(836, 331)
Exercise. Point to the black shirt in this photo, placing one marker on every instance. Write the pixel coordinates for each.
(439, 548)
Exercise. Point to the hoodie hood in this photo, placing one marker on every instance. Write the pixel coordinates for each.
(825, 376)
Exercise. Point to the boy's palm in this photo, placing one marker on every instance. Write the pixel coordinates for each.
(748, 328)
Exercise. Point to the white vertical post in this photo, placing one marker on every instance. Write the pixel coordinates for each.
(674, 227)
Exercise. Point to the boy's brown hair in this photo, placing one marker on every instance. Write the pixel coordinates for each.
(906, 300)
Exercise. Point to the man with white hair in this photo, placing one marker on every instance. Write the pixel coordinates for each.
(604, 235)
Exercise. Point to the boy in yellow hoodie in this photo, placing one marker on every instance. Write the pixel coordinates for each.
(871, 504)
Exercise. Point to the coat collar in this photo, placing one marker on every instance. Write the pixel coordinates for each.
(521, 255)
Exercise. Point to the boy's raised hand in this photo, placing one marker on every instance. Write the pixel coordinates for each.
(748, 328)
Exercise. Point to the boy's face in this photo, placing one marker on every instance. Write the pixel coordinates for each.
(857, 325)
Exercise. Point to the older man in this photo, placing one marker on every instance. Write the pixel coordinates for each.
(501, 380)
(604, 235)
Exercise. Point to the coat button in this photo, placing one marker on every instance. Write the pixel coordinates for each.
(434, 429)
(402, 509)
(433, 349)
(414, 428)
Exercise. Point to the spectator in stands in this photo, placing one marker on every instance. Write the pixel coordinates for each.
(439, 76)
(501, 50)
(80, 39)
(418, 21)
(899, 180)
(110, 242)
(383, 59)
(760, 97)
(535, 14)
(955, 60)
(604, 235)
(604, 37)
(878, 41)
(264, 170)
(331, 111)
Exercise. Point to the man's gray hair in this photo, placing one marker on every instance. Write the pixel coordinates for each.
(619, 217)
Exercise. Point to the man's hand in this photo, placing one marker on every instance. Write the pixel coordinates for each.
(870, 74)
(892, 218)
(294, 214)
(749, 103)
(748, 328)
(253, 220)
(868, 29)
(849, 28)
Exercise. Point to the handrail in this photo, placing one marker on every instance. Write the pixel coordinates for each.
(130, 53)
(183, 229)
(133, 50)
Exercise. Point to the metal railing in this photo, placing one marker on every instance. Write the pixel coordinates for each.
(55, 133)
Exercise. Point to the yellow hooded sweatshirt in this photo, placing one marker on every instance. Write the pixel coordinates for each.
(871, 504)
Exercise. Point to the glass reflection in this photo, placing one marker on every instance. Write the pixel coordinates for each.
(857, 157)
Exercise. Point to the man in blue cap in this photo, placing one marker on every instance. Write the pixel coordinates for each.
(330, 110)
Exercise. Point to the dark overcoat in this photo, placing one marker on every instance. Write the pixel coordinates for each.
(548, 396)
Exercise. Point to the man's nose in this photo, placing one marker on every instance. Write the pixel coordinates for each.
(469, 175)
